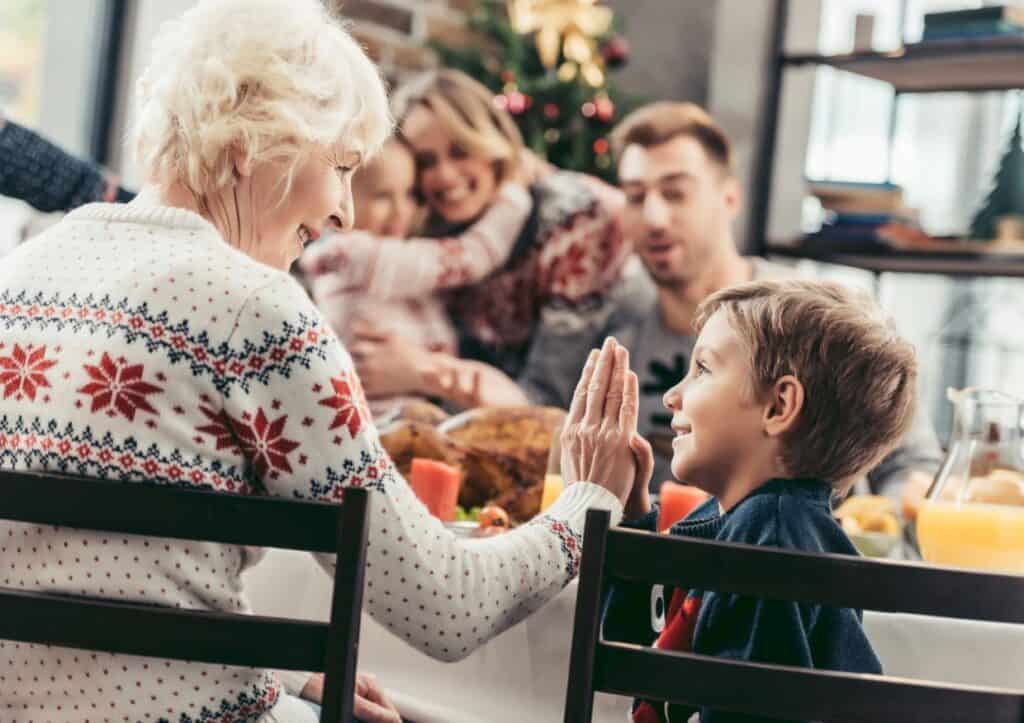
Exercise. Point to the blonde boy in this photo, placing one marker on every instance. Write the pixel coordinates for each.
(794, 389)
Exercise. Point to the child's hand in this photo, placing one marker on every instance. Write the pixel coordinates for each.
(639, 502)
(388, 365)
(459, 386)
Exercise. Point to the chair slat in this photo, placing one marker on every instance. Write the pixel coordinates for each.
(131, 629)
(346, 605)
(841, 580)
(794, 693)
(138, 508)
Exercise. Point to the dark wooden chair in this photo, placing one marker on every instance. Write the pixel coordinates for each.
(196, 635)
(775, 690)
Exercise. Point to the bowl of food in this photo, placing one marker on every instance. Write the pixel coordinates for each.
(871, 523)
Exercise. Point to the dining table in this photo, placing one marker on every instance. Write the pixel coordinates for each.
(521, 674)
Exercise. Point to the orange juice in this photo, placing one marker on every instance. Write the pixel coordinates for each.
(980, 536)
(553, 486)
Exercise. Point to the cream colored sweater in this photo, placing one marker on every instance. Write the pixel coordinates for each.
(136, 344)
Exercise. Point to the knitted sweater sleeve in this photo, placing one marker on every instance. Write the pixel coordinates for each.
(293, 401)
(395, 268)
(35, 170)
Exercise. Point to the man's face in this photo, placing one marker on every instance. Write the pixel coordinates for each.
(679, 207)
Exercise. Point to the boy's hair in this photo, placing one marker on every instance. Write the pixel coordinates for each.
(859, 376)
(660, 122)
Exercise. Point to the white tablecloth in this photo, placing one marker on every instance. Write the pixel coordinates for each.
(521, 675)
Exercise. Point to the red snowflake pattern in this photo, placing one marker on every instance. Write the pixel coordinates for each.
(264, 444)
(118, 386)
(22, 373)
(220, 429)
(349, 403)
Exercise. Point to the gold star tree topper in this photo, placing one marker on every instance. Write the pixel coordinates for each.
(567, 27)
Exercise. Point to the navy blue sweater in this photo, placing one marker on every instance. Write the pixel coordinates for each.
(790, 514)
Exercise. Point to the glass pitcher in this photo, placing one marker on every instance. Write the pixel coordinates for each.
(973, 515)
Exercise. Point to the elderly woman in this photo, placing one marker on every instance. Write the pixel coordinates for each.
(507, 292)
(164, 340)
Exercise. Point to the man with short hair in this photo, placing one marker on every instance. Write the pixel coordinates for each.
(682, 197)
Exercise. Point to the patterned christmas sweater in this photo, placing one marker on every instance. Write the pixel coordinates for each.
(136, 344)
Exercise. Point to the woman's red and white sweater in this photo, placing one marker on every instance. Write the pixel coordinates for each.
(136, 344)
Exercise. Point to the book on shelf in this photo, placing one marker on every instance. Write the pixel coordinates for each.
(1008, 13)
(858, 197)
(906, 215)
(972, 30)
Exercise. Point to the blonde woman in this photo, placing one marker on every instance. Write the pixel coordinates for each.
(531, 282)
(163, 340)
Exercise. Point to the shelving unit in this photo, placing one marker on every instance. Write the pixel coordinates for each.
(971, 65)
(908, 262)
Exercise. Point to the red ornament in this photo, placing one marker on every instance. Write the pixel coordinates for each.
(551, 111)
(601, 146)
(615, 51)
(605, 109)
(518, 103)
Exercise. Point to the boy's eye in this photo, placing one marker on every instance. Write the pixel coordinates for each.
(701, 369)
(635, 199)
(458, 152)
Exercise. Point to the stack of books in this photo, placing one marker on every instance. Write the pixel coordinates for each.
(994, 20)
(862, 216)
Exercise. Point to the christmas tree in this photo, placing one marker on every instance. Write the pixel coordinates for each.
(547, 63)
(1007, 195)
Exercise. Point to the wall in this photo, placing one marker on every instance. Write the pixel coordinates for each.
(737, 98)
(144, 19)
(70, 51)
(671, 44)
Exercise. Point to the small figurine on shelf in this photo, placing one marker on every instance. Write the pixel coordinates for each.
(1007, 195)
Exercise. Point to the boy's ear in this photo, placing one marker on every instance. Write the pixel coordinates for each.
(784, 404)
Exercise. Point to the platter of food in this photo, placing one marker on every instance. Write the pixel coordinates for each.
(501, 454)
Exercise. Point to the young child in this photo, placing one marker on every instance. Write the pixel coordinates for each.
(360, 302)
(794, 388)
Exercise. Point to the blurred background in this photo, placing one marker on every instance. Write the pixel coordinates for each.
(765, 69)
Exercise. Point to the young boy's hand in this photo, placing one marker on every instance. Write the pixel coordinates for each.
(601, 422)
(639, 502)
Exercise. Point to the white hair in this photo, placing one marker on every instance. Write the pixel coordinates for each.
(267, 79)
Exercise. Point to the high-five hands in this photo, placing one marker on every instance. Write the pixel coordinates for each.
(598, 435)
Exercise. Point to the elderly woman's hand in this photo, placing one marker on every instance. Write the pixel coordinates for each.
(371, 705)
(597, 435)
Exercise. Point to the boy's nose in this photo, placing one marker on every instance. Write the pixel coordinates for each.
(673, 399)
